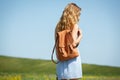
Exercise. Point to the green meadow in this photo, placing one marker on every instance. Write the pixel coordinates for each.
(12, 68)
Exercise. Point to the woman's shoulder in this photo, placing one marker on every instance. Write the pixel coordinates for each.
(76, 27)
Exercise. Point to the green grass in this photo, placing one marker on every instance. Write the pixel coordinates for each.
(12, 68)
(23, 65)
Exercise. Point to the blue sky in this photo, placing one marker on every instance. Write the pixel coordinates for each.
(27, 29)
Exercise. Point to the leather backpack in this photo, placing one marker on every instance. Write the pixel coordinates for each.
(64, 46)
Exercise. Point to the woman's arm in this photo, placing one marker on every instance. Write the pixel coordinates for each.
(77, 41)
(79, 36)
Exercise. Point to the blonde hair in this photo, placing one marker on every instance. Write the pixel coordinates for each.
(69, 18)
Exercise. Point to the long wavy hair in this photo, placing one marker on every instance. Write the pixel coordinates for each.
(69, 18)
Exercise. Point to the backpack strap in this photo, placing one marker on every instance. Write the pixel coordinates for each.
(53, 52)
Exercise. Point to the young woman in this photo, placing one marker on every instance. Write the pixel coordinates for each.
(70, 69)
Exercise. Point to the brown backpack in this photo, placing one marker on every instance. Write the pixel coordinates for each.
(64, 48)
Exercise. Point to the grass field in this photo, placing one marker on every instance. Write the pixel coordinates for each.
(34, 69)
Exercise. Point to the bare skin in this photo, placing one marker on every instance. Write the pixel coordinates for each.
(76, 36)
